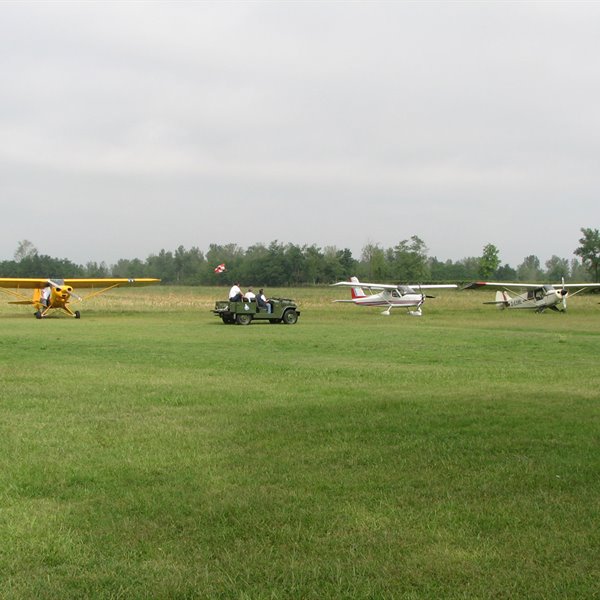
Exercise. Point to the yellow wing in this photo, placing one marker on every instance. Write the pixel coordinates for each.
(29, 283)
(104, 282)
(101, 285)
(17, 283)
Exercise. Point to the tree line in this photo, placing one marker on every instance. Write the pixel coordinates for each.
(281, 264)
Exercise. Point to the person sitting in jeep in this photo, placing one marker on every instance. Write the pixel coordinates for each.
(262, 301)
(235, 293)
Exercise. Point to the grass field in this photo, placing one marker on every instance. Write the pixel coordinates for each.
(149, 451)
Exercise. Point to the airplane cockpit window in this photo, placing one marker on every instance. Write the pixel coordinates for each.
(395, 294)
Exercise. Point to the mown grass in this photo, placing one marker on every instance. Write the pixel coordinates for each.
(149, 451)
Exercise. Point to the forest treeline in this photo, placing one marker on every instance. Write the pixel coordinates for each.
(285, 264)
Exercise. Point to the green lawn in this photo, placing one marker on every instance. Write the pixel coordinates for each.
(149, 451)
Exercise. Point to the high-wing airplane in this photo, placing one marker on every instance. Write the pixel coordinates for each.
(389, 295)
(533, 295)
(52, 294)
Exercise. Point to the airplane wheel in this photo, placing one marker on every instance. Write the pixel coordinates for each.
(37, 314)
(77, 314)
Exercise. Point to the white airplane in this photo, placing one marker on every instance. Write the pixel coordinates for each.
(388, 295)
(533, 295)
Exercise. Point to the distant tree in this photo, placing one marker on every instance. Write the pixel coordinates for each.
(337, 264)
(277, 269)
(188, 265)
(314, 261)
(557, 269)
(469, 267)
(41, 265)
(506, 273)
(93, 269)
(530, 270)
(409, 260)
(373, 262)
(489, 261)
(589, 251)
(347, 262)
(579, 272)
(129, 268)
(162, 265)
(253, 265)
(25, 249)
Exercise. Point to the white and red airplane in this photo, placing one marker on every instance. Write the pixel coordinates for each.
(389, 295)
(535, 296)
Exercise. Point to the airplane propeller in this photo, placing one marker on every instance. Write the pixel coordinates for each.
(63, 288)
(564, 293)
(418, 312)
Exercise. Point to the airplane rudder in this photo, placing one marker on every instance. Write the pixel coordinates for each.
(502, 299)
(356, 292)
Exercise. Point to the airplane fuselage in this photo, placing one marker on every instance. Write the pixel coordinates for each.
(390, 298)
(538, 299)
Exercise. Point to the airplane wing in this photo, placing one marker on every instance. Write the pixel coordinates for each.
(369, 286)
(506, 284)
(391, 286)
(31, 283)
(27, 283)
(502, 284)
(106, 282)
(583, 286)
(434, 286)
(8, 284)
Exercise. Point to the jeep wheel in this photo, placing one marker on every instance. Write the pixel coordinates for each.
(243, 319)
(290, 317)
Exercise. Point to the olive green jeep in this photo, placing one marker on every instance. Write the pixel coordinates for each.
(278, 310)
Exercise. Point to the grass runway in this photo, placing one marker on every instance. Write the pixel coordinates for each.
(149, 451)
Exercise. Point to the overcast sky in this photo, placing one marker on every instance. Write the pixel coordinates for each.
(126, 128)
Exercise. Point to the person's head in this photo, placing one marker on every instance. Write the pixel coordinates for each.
(249, 289)
(261, 291)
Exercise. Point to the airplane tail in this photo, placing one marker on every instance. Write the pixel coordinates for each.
(356, 291)
(502, 299)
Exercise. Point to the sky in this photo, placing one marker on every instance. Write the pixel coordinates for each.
(131, 127)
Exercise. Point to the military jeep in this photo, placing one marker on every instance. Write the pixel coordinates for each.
(283, 310)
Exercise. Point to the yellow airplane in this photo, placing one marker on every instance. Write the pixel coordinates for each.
(51, 294)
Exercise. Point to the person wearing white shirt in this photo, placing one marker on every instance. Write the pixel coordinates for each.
(235, 293)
